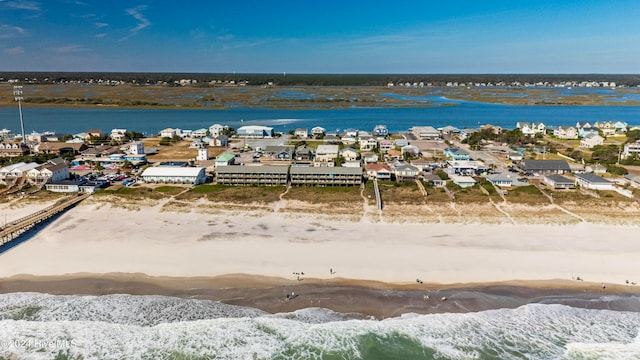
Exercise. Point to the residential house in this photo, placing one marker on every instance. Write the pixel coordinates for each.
(425, 132)
(590, 141)
(60, 148)
(544, 167)
(94, 132)
(632, 148)
(225, 159)
(466, 167)
(304, 153)
(318, 131)
(13, 149)
(168, 132)
(326, 153)
(434, 180)
(393, 155)
(302, 133)
(368, 143)
(515, 156)
(500, 180)
(331, 139)
(488, 127)
(587, 131)
(378, 171)
(525, 128)
(199, 133)
(410, 151)
(403, 171)
(565, 132)
(136, 148)
(594, 182)
(118, 135)
(216, 130)
(349, 154)
(369, 157)
(558, 181)
(385, 145)
(279, 152)
(350, 132)
(606, 127)
(456, 154)
(421, 163)
(220, 140)
(463, 181)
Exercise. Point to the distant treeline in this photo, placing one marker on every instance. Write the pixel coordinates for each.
(283, 79)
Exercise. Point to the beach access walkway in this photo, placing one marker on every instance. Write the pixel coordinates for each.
(18, 227)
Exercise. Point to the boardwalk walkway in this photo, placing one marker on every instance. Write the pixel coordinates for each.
(16, 228)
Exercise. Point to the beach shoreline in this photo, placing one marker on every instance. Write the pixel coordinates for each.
(357, 299)
(256, 256)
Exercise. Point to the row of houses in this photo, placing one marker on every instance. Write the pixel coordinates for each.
(581, 129)
(34, 173)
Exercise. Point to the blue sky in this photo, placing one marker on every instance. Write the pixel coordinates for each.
(305, 36)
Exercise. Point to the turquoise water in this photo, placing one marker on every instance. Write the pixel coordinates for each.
(157, 327)
(459, 114)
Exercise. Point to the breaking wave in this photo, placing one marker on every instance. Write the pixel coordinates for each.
(157, 327)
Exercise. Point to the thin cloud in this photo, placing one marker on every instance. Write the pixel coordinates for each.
(69, 49)
(100, 25)
(143, 22)
(23, 5)
(18, 50)
(10, 31)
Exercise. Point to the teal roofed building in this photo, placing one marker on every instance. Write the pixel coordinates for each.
(456, 154)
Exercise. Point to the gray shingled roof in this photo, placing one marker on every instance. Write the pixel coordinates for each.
(545, 165)
(593, 179)
(235, 169)
(326, 170)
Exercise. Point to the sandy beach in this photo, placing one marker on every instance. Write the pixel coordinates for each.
(259, 252)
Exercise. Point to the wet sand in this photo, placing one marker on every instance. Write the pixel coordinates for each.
(360, 299)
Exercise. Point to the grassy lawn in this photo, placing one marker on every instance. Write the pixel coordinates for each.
(133, 193)
(493, 193)
(325, 194)
(401, 193)
(238, 194)
(437, 195)
(473, 194)
(529, 195)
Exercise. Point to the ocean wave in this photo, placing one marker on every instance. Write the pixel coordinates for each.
(534, 331)
(146, 310)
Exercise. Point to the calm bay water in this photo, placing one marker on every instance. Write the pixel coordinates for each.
(461, 115)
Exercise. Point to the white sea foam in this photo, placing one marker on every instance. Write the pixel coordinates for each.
(123, 309)
(533, 331)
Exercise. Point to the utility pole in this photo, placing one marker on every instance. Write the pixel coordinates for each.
(17, 92)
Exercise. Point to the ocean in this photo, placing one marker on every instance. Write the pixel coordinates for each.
(42, 326)
(460, 114)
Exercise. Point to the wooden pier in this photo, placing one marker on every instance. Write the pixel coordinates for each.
(14, 229)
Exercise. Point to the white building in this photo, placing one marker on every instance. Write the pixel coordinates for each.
(175, 175)
(136, 148)
(168, 132)
(255, 131)
(326, 153)
(216, 130)
(302, 133)
(631, 148)
(118, 134)
(589, 142)
(203, 154)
